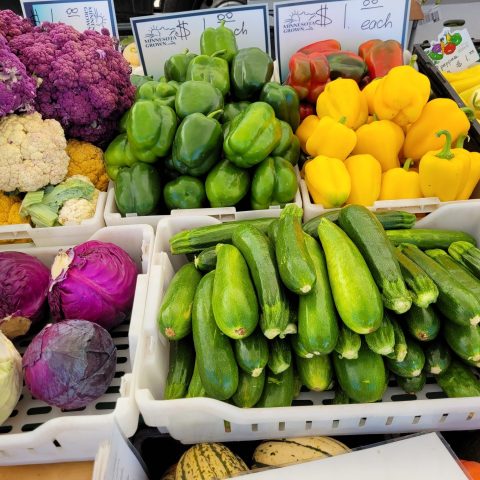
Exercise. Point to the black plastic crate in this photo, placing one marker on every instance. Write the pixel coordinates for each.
(125, 9)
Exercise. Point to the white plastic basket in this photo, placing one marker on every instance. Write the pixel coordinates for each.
(61, 235)
(413, 205)
(114, 217)
(38, 433)
(202, 419)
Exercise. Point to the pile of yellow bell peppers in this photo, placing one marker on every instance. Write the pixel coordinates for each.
(359, 139)
(467, 84)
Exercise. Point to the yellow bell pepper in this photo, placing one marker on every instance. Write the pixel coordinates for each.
(369, 93)
(471, 98)
(401, 95)
(399, 183)
(474, 174)
(366, 176)
(438, 114)
(382, 139)
(444, 173)
(343, 98)
(332, 139)
(328, 181)
(305, 130)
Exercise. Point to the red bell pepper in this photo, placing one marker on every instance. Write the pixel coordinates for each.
(308, 75)
(365, 47)
(382, 57)
(323, 46)
(306, 109)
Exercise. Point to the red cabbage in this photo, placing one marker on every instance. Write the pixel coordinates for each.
(23, 292)
(70, 364)
(93, 281)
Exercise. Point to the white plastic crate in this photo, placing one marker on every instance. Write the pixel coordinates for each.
(114, 217)
(61, 235)
(203, 419)
(39, 433)
(413, 205)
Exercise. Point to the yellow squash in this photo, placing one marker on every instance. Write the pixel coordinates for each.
(305, 130)
(328, 181)
(365, 176)
(400, 183)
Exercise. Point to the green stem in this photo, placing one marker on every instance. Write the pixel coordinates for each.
(469, 113)
(413, 59)
(218, 53)
(407, 164)
(343, 120)
(475, 103)
(461, 140)
(446, 153)
(215, 113)
(375, 117)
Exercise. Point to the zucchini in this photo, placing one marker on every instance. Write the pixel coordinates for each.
(422, 288)
(234, 302)
(367, 233)
(280, 357)
(426, 238)
(468, 255)
(278, 390)
(437, 357)
(413, 363)
(413, 384)
(258, 252)
(456, 269)
(175, 315)
(458, 380)
(315, 373)
(340, 398)
(390, 220)
(180, 369)
(464, 341)
(400, 348)
(363, 379)
(218, 372)
(299, 348)
(294, 263)
(317, 317)
(382, 340)
(272, 232)
(249, 389)
(197, 239)
(195, 388)
(206, 260)
(251, 353)
(456, 302)
(348, 343)
(355, 293)
(422, 323)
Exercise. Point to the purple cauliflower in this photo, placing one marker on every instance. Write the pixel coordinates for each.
(17, 88)
(12, 24)
(85, 81)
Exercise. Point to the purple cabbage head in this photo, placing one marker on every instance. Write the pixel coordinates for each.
(94, 281)
(17, 88)
(23, 292)
(70, 364)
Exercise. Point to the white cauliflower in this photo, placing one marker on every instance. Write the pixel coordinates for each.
(33, 153)
(75, 210)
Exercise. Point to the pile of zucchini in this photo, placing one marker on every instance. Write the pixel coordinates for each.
(266, 306)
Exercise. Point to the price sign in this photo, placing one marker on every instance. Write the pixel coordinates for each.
(161, 36)
(80, 14)
(350, 22)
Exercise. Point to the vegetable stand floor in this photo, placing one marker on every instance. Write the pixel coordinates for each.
(39, 433)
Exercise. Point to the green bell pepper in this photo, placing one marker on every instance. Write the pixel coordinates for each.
(221, 38)
(167, 169)
(232, 109)
(212, 69)
(196, 96)
(164, 92)
(176, 66)
(252, 135)
(289, 145)
(251, 69)
(150, 129)
(346, 65)
(138, 189)
(284, 100)
(198, 144)
(184, 192)
(117, 155)
(226, 184)
(122, 125)
(274, 182)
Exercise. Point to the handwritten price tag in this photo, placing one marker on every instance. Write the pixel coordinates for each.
(160, 36)
(82, 15)
(350, 22)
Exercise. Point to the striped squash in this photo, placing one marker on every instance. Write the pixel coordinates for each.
(275, 453)
(170, 474)
(208, 461)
